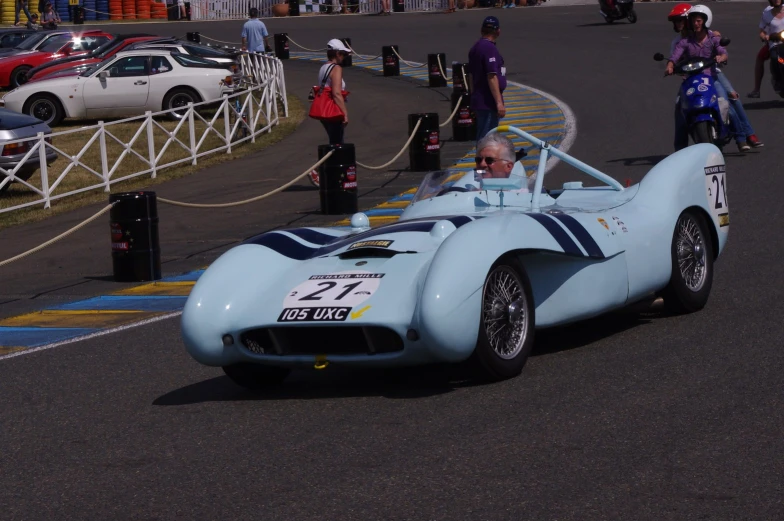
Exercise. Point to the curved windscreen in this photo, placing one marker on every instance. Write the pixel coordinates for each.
(437, 182)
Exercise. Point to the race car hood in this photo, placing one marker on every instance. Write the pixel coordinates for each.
(413, 236)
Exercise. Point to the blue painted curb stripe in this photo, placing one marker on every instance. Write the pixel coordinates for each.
(37, 336)
(128, 302)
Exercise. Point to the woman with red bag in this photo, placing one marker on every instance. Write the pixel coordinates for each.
(330, 75)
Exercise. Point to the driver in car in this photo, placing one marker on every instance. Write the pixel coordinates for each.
(496, 159)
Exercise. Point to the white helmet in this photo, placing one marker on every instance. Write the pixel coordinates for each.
(704, 11)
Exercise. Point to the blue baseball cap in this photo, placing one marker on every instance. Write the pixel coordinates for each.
(492, 22)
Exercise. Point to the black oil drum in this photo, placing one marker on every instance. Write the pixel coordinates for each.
(390, 60)
(425, 149)
(338, 179)
(435, 64)
(459, 77)
(464, 122)
(136, 251)
(293, 8)
(193, 37)
(347, 61)
(282, 46)
(398, 6)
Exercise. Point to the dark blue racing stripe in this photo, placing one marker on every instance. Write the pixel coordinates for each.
(459, 220)
(313, 236)
(382, 230)
(284, 245)
(558, 233)
(582, 235)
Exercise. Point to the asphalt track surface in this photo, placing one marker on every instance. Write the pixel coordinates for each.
(624, 417)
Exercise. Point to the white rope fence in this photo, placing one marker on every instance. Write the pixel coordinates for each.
(440, 68)
(410, 64)
(305, 48)
(445, 123)
(410, 138)
(61, 236)
(253, 199)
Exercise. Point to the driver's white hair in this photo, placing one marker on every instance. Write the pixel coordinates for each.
(495, 139)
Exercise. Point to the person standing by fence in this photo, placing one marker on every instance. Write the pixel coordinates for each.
(489, 78)
(21, 4)
(255, 37)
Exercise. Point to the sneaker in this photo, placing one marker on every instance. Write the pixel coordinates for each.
(754, 142)
(743, 146)
(753, 94)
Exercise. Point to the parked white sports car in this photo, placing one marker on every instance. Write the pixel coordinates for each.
(127, 84)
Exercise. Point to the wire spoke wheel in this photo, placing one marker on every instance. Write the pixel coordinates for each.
(692, 264)
(504, 309)
(690, 251)
(506, 325)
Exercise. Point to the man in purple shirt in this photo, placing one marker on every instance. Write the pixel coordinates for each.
(488, 73)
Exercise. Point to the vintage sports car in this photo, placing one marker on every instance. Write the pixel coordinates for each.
(127, 84)
(13, 68)
(468, 273)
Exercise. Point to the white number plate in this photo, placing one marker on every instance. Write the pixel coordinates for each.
(715, 185)
(334, 290)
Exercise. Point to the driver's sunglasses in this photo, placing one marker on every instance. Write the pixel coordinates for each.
(488, 160)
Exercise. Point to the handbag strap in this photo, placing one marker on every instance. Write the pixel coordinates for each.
(326, 76)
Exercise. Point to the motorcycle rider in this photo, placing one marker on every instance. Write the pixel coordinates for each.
(773, 22)
(702, 44)
(762, 56)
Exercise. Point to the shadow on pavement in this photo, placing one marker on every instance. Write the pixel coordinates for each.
(762, 105)
(638, 161)
(581, 334)
(340, 382)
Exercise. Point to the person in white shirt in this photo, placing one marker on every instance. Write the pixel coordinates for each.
(773, 22)
(331, 74)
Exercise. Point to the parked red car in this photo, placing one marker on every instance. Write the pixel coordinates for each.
(77, 64)
(14, 67)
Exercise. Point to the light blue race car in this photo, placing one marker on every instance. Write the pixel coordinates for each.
(469, 272)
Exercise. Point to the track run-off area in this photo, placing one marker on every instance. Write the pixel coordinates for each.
(629, 416)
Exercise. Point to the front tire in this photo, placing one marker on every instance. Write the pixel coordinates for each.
(632, 16)
(179, 98)
(19, 76)
(256, 377)
(703, 132)
(506, 322)
(45, 107)
(692, 265)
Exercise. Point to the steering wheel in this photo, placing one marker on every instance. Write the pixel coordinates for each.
(452, 189)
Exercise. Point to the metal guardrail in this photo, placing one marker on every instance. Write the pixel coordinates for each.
(236, 119)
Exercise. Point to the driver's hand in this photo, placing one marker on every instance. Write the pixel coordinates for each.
(669, 70)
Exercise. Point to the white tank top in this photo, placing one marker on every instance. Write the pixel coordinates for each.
(323, 71)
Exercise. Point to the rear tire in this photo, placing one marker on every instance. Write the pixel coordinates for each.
(506, 322)
(179, 98)
(44, 107)
(703, 132)
(632, 16)
(692, 265)
(19, 76)
(256, 377)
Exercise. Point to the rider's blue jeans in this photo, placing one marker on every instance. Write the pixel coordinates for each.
(736, 104)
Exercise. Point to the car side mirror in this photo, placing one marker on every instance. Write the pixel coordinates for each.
(103, 75)
(724, 42)
(658, 57)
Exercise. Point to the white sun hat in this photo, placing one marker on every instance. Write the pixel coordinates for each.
(336, 45)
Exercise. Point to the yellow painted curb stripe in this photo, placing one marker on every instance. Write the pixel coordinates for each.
(7, 350)
(177, 288)
(83, 318)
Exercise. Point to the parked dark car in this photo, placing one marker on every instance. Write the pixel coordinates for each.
(15, 126)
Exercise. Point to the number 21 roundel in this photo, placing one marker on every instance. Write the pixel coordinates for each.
(344, 289)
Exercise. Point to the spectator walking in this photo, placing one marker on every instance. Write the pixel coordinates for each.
(255, 37)
(21, 4)
(331, 75)
(486, 66)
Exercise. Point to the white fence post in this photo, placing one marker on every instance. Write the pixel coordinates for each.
(251, 99)
(151, 143)
(192, 132)
(104, 156)
(44, 170)
(226, 123)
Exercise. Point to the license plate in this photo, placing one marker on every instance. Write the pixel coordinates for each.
(325, 314)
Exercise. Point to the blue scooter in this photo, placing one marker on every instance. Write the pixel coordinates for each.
(706, 116)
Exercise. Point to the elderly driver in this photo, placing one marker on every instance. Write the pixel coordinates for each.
(496, 156)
